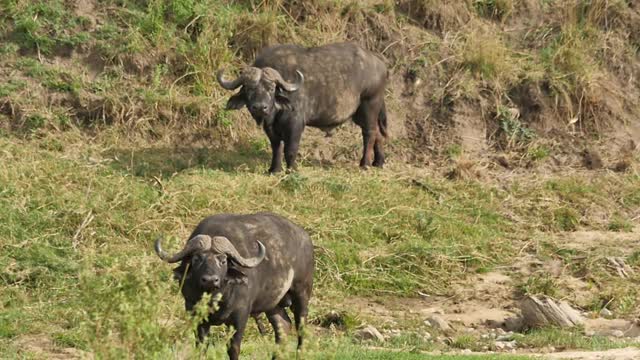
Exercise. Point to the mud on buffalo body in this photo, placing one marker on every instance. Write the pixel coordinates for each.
(289, 87)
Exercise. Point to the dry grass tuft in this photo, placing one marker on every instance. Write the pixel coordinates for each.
(441, 16)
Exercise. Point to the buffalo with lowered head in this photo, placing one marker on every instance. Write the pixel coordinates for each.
(259, 263)
(289, 87)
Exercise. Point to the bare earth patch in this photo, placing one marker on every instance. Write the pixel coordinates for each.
(42, 346)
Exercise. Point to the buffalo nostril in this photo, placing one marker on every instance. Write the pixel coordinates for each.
(259, 108)
(210, 280)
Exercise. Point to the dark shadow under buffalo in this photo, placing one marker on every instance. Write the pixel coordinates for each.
(289, 87)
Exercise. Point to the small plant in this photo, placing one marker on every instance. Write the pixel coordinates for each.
(497, 9)
(539, 284)
(620, 224)
(454, 150)
(566, 219)
(34, 122)
(293, 182)
(11, 87)
(513, 131)
(464, 342)
(8, 48)
(51, 78)
(538, 152)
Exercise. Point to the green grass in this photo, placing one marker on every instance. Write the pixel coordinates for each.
(566, 339)
(91, 110)
(79, 220)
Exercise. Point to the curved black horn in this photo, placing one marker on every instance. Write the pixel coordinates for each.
(222, 245)
(198, 242)
(228, 84)
(291, 86)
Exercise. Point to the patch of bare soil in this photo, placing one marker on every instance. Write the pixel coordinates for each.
(486, 303)
(625, 242)
(43, 347)
(630, 353)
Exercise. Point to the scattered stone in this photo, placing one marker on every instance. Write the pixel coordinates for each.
(617, 333)
(369, 333)
(606, 313)
(426, 336)
(500, 331)
(544, 311)
(506, 345)
(437, 322)
(506, 337)
(466, 352)
(611, 327)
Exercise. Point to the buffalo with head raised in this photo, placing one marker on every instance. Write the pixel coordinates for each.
(258, 263)
(289, 87)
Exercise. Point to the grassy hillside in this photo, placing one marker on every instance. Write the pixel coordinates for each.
(529, 76)
(112, 132)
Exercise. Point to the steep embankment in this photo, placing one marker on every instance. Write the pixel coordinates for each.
(536, 82)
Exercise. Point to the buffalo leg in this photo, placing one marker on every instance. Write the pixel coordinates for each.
(378, 154)
(366, 117)
(368, 140)
(276, 153)
(277, 322)
(261, 328)
(300, 309)
(239, 323)
(291, 145)
(202, 332)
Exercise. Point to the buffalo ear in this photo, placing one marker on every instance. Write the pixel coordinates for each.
(178, 273)
(237, 101)
(236, 276)
(282, 98)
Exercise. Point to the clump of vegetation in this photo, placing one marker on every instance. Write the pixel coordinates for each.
(619, 223)
(539, 284)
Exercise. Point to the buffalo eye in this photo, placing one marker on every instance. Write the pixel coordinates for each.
(197, 259)
(223, 261)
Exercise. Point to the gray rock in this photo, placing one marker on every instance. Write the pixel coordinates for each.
(617, 333)
(369, 333)
(545, 311)
(506, 345)
(437, 322)
(606, 313)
